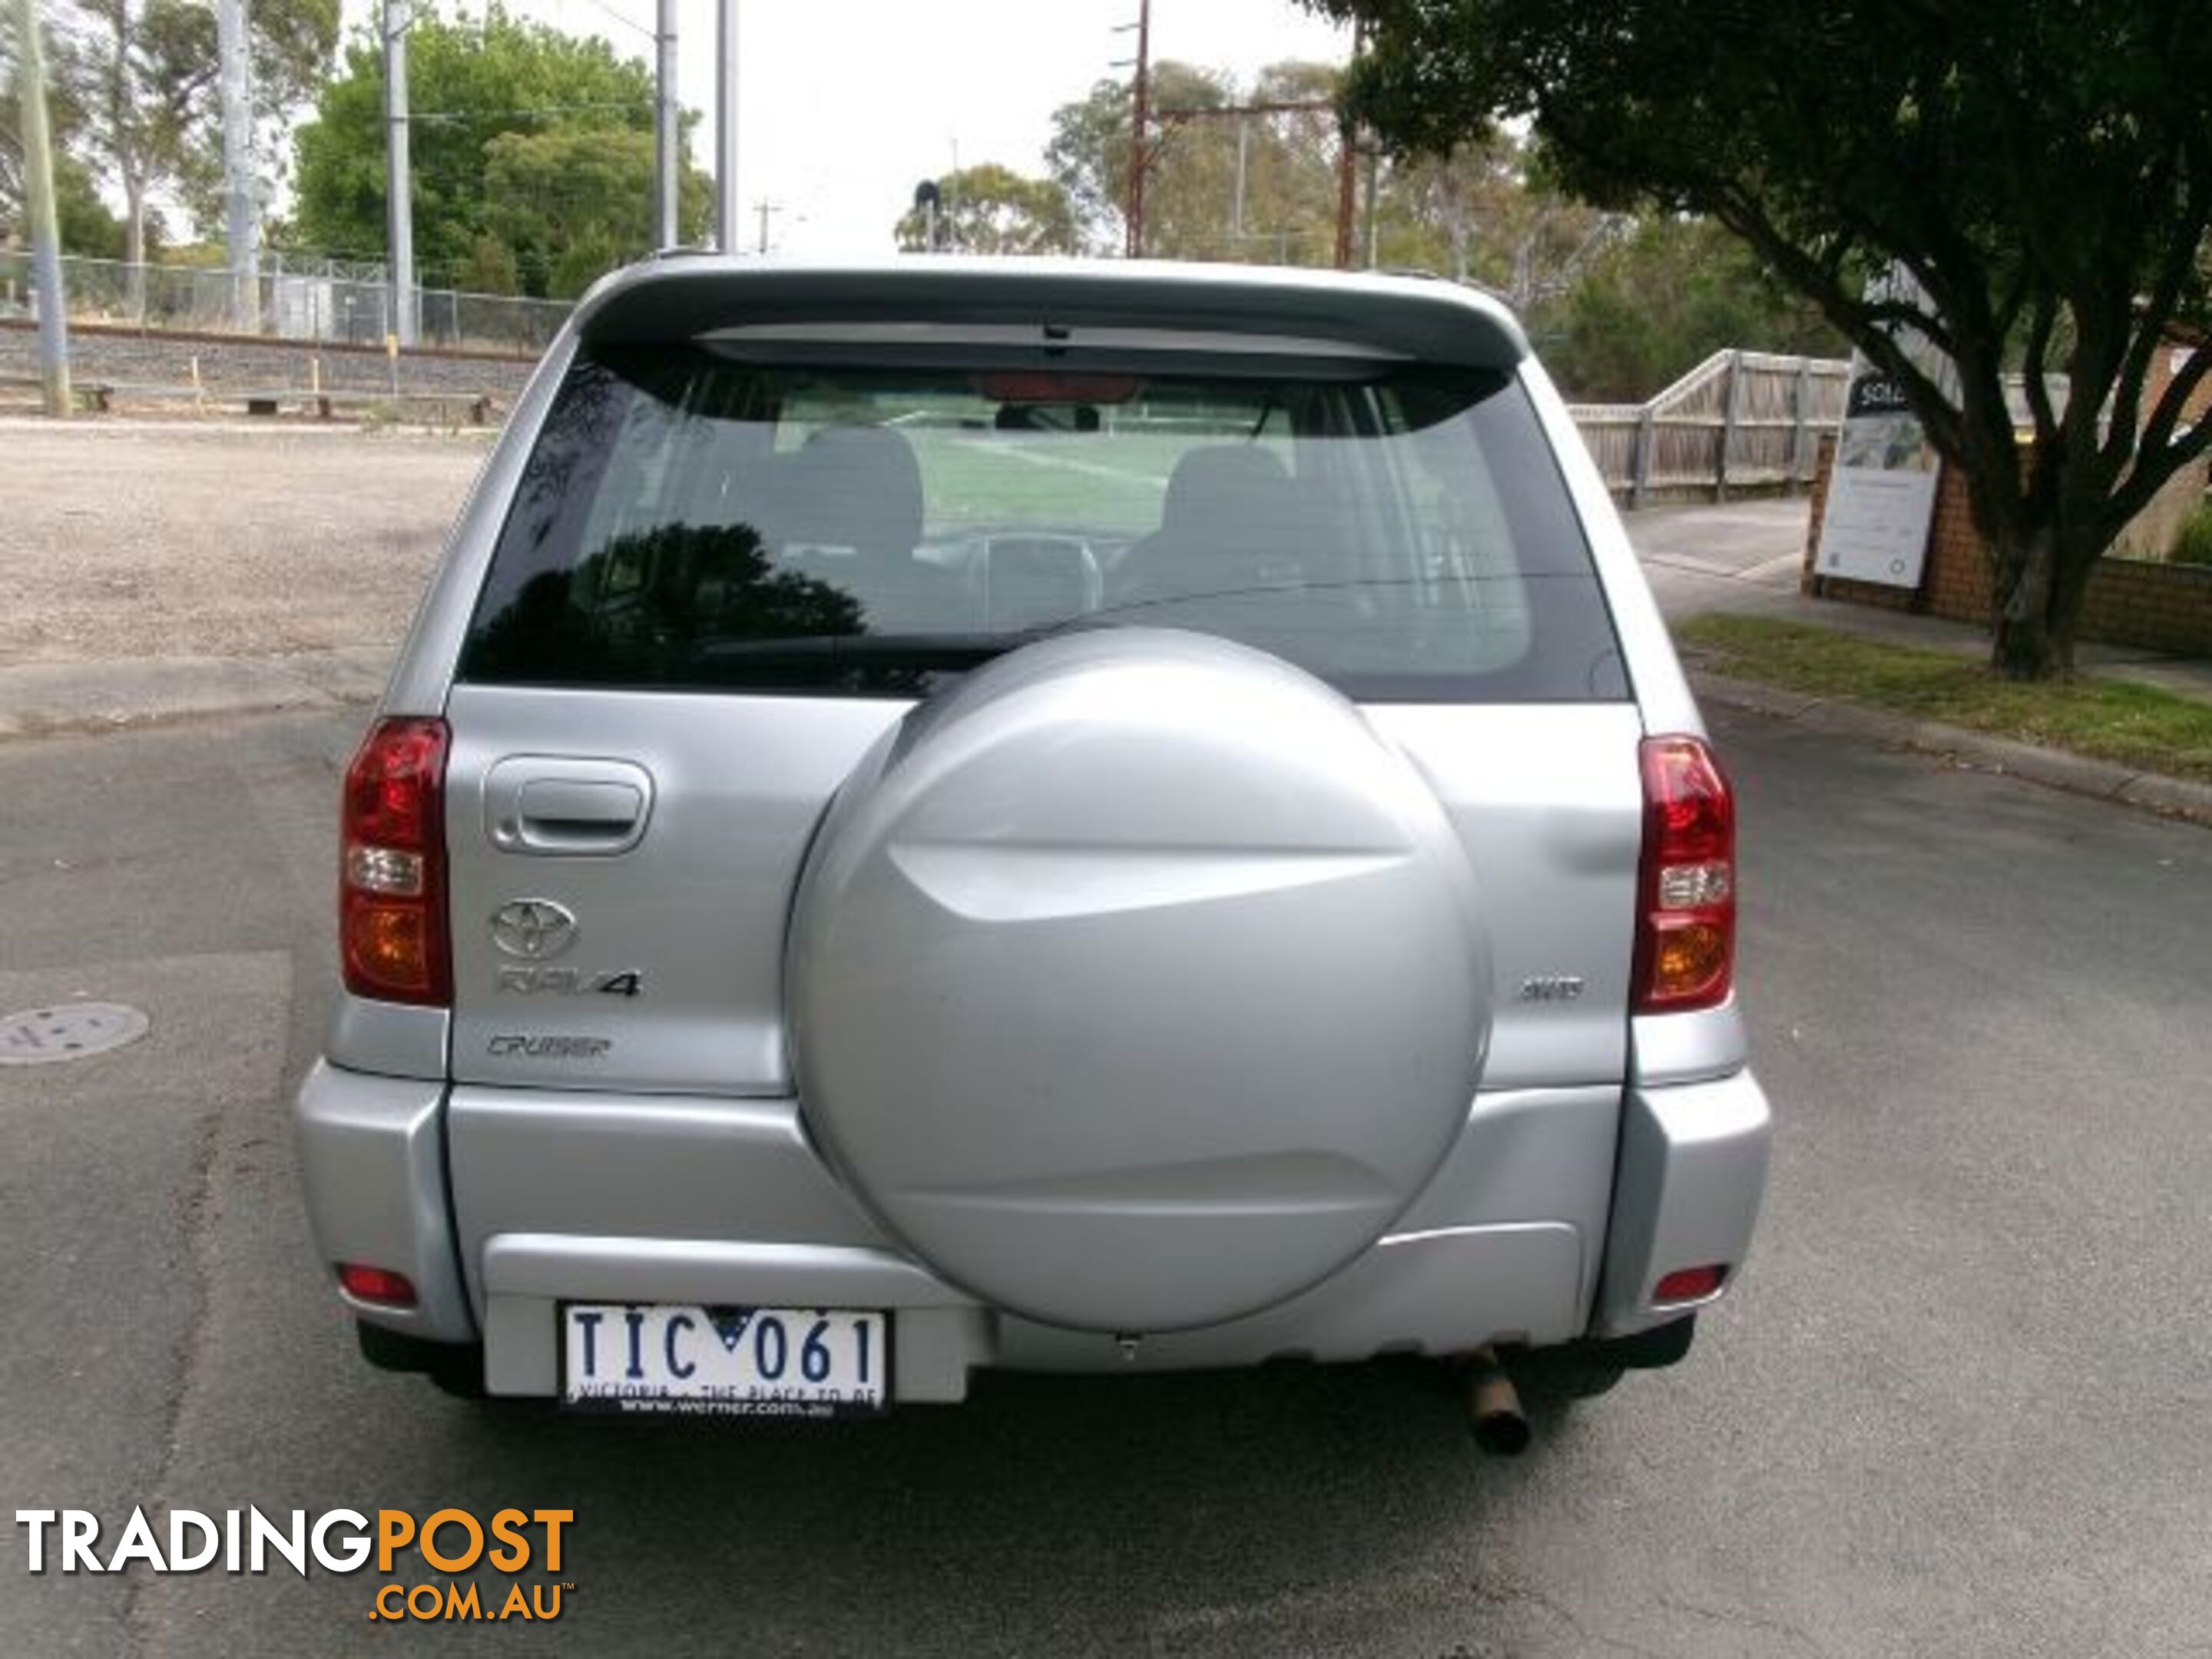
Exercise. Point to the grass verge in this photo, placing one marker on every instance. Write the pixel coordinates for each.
(2137, 726)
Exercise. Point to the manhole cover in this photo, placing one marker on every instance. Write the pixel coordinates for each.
(74, 1030)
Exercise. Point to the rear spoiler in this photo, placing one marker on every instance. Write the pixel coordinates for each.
(1063, 306)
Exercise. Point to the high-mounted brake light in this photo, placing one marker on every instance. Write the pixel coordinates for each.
(1686, 900)
(392, 878)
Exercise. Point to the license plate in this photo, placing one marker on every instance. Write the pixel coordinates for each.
(680, 1359)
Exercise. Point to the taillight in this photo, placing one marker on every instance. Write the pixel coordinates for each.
(392, 876)
(1686, 898)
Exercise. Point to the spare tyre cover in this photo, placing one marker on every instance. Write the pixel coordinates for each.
(1136, 983)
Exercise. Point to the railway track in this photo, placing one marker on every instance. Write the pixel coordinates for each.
(153, 369)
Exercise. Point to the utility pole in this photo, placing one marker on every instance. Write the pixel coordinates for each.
(1139, 157)
(398, 198)
(1346, 174)
(668, 133)
(726, 125)
(241, 220)
(38, 188)
(764, 207)
(1242, 114)
(1374, 192)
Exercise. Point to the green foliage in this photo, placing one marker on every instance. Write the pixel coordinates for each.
(2193, 544)
(137, 92)
(1658, 302)
(1289, 201)
(993, 210)
(11, 141)
(87, 229)
(1483, 214)
(523, 136)
(489, 268)
(2042, 170)
(572, 203)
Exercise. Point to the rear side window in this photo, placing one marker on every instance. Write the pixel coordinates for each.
(692, 520)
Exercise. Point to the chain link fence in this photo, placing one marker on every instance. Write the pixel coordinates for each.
(325, 301)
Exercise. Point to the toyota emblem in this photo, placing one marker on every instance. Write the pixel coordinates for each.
(533, 929)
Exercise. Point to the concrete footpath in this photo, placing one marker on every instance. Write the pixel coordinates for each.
(1742, 557)
(37, 699)
(1745, 558)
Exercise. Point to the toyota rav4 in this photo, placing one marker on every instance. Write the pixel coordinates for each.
(949, 814)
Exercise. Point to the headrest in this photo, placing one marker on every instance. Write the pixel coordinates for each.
(857, 487)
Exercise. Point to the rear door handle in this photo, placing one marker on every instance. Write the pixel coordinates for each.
(555, 804)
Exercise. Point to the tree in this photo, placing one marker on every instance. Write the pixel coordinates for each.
(1194, 210)
(88, 230)
(11, 140)
(1661, 299)
(571, 205)
(141, 75)
(502, 110)
(491, 268)
(1483, 214)
(1088, 155)
(2041, 168)
(993, 210)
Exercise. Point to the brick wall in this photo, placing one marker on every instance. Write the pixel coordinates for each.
(2172, 353)
(2154, 529)
(2157, 607)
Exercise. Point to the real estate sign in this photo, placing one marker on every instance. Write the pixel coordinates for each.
(1882, 492)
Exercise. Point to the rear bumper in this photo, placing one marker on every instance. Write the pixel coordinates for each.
(1554, 1217)
(373, 1166)
(1692, 1169)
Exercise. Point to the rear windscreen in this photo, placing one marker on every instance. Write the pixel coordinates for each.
(690, 520)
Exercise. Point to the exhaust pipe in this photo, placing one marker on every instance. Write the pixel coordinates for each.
(1493, 1406)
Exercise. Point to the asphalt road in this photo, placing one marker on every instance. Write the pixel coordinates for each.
(1957, 1406)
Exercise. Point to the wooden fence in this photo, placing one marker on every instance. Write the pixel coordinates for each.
(1738, 420)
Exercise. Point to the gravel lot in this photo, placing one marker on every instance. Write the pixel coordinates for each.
(121, 541)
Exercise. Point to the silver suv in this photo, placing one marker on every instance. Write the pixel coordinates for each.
(1047, 816)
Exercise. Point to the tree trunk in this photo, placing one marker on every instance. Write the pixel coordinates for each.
(2041, 577)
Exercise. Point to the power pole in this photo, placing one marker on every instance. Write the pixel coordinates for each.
(764, 207)
(399, 199)
(666, 130)
(1140, 159)
(1374, 191)
(726, 125)
(1347, 175)
(242, 222)
(39, 187)
(1241, 114)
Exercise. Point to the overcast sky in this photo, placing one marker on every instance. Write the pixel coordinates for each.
(844, 105)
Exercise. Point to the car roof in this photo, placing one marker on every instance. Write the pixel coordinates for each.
(683, 295)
